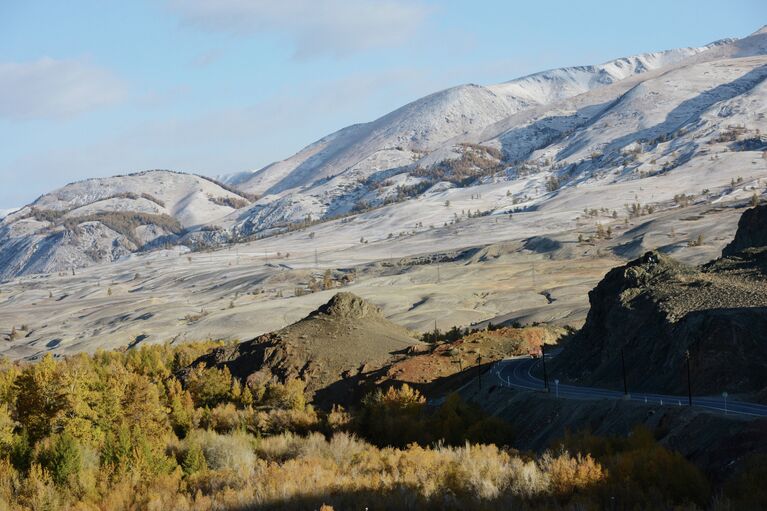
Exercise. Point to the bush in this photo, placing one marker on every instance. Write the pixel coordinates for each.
(288, 396)
(641, 472)
(233, 452)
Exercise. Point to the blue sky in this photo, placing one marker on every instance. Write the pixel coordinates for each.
(98, 87)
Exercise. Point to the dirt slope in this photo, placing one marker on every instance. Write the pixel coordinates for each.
(328, 349)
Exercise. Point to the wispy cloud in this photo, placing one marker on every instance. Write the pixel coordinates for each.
(317, 27)
(49, 88)
(220, 141)
(207, 58)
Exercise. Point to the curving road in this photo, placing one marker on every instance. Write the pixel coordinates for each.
(517, 373)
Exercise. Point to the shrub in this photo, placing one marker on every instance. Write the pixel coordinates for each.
(746, 489)
(569, 474)
(193, 460)
(289, 396)
(233, 451)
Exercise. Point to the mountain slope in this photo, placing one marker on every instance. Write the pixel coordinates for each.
(425, 123)
(547, 145)
(549, 123)
(101, 220)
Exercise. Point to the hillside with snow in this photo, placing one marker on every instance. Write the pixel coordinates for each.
(102, 220)
(687, 122)
(569, 124)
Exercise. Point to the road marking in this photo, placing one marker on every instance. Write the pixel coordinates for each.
(525, 380)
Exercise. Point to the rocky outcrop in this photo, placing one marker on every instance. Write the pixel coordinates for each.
(655, 311)
(752, 232)
(347, 306)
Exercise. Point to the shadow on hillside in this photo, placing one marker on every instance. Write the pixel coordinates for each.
(688, 112)
(351, 390)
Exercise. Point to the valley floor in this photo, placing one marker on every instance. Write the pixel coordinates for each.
(441, 277)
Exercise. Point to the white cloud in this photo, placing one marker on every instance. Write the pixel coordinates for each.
(49, 88)
(317, 27)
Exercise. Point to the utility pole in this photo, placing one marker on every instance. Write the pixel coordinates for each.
(689, 379)
(266, 257)
(545, 376)
(623, 365)
(316, 260)
(438, 281)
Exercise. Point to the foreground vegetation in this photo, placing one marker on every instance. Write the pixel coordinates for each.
(119, 431)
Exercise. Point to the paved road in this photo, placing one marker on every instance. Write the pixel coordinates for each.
(517, 373)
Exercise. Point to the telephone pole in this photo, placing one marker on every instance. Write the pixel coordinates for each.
(545, 376)
(689, 378)
(316, 260)
(623, 366)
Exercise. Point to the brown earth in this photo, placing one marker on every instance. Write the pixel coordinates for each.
(438, 368)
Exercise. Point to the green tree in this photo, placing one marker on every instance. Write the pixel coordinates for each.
(38, 397)
(7, 425)
(80, 398)
(194, 460)
(209, 386)
(117, 449)
(393, 417)
(63, 459)
(181, 408)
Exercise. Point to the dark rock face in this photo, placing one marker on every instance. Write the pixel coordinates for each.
(347, 305)
(656, 311)
(752, 231)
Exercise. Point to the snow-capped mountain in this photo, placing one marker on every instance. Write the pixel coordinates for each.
(528, 144)
(405, 152)
(101, 220)
(426, 123)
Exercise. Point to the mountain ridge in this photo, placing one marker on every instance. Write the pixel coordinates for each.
(613, 124)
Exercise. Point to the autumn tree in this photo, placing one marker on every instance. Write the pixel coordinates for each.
(209, 386)
(38, 397)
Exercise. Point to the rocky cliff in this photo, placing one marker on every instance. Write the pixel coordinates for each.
(657, 311)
